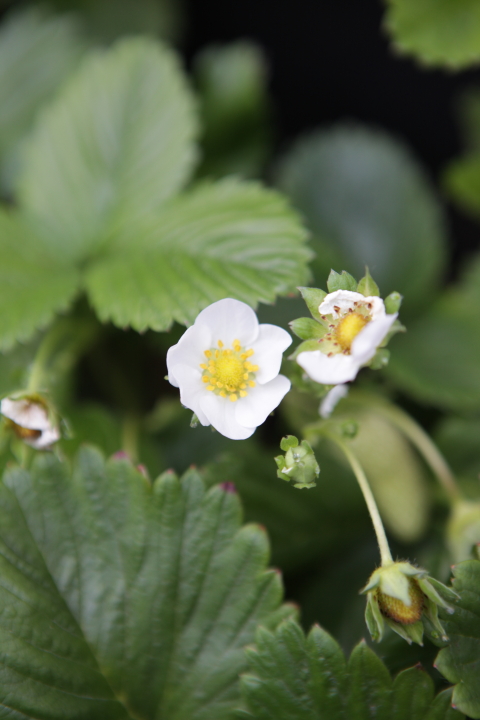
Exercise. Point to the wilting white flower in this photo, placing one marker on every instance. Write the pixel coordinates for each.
(331, 400)
(226, 366)
(356, 327)
(30, 420)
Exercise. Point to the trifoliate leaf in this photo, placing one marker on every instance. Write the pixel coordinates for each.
(460, 661)
(33, 285)
(293, 677)
(115, 144)
(125, 600)
(368, 202)
(436, 32)
(228, 239)
(37, 53)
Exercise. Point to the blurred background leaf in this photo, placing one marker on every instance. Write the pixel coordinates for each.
(436, 362)
(115, 144)
(38, 51)
(235, 109)
(444, 33)
(368, 202)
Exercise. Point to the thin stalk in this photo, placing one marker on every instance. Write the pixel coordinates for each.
(425, 446)
(385, 554)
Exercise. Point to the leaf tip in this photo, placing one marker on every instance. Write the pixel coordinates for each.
(228, 487)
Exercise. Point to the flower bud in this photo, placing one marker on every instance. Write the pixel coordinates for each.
(299, 463)
(406, 599)
(32, 419)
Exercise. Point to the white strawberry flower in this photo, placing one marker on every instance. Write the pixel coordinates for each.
(29, 419)
(357, 325)
(227, 368)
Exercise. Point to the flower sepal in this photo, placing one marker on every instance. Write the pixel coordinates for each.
(299, 463)
(404, 598)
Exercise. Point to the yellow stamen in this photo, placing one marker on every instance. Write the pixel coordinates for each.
(233, 398)
(210, 387)
(220, 344)
(252, 383)
(205, 379)
(242, 393)
(348, 329)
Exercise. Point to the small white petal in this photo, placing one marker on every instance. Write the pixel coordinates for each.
(378, 306)
(191, 389)
(343, 299)
(221, 414)
(26, 414)
(230, 320)
(47, 438)
(269, 347)
(334, 370)
(364, 345)
(190, 350)
(331, 400)
(254, 409)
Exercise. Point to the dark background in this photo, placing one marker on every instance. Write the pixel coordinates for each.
(331, 60)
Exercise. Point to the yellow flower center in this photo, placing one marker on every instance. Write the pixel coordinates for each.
(228, 372)
(348, 329)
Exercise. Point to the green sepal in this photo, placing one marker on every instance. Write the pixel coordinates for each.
(343, 281)
(393, 303)
(410, 633)
(367, 285)
(380, 359)
(306, 328)
(306, 346)
(313, 298)
(287, 442)
(374, 619)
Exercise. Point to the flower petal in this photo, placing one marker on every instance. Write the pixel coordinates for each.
(189, 350)
(343, 299)
(47, 438)
(333, 370)
(254, 409)
(364, 346)
(230, 320)
(191, 389)
(331, 400)
(269, 347)
(221, 414)
(25, 413)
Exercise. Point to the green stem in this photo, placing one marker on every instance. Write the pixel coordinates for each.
(425, 446)
(42, 358)
(385, 554)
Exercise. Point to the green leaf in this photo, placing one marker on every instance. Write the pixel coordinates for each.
(227, 239)
(37, 53)
(368, 202)
(33, 285)
(293, 677)
(462, 181)
(436, 361)
(460, 661)
(118, 595)
(232, 85)
(115, 144)
(436, 32)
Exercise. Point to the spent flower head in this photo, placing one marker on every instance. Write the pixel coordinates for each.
(352, 324)
(298, 464)
(406, 599)
(227, 368)
(32, 419)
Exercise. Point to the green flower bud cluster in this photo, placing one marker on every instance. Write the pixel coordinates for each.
(404, 598)
(299, 463)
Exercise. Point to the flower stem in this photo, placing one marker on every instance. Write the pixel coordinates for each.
(425, 446)
(385, 554)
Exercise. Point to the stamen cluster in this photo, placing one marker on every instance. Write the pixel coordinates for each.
(228, 371)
